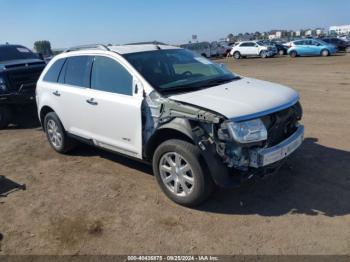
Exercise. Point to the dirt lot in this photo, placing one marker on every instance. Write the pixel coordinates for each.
(93, 202)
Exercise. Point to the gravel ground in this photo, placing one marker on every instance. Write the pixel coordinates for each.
(93, 202)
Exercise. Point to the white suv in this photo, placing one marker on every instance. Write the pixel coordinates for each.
(253, 48)
(196, 122)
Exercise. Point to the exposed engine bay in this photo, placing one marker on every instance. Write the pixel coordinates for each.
(213, 130)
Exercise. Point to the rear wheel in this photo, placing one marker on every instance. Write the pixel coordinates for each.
(237, 55)
(325, 52)
(179, 171)
(4, 117)
(293, 54)
(56, 134)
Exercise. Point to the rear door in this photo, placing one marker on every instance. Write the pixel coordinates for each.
(114, 107)
(72, 92)
(301, 47)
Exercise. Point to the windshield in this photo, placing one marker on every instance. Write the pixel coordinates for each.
(178, 70)
(15, 52)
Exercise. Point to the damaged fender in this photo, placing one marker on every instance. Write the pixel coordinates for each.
(161, 115)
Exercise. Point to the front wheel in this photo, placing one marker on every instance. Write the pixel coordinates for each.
(263, 54)
(180, 172)
(237, 55)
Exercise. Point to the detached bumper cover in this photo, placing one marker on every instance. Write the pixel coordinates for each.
(266, 156)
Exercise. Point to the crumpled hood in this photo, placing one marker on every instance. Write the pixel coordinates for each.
(242, 99)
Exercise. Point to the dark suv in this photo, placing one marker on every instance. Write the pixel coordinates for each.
(20, 69)
(341, 44)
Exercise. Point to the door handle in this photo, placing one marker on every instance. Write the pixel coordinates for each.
(92, 101)
(56, 93)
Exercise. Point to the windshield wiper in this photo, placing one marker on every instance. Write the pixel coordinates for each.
(219, 81)
(200, 85)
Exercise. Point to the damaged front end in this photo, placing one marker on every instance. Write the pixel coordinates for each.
(233, 151)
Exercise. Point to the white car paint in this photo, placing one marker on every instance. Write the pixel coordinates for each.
(254, 50)
(242, 99)
(88, 121)
(116, 122)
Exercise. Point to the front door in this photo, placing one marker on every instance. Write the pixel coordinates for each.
(114, 109)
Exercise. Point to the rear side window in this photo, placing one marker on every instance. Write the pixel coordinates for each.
(77, 71)
(110, 76)
(54, 71)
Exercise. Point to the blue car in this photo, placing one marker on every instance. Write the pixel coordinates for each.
(311, 47)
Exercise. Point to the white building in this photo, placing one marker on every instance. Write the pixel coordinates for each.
(308, 32)
(319, 31)
(340, 30)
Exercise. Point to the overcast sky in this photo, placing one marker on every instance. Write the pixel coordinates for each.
(72, 22)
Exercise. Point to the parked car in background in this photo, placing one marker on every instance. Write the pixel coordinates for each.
(201, 48)
(310, 47)
(341, 44)
(281, 49)
(225, 48)
(253, 48)
(20, 69)
(199, 124)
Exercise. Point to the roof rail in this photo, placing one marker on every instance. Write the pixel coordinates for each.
(82, 47)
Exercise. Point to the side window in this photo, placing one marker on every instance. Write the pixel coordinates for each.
(110, 76)
(77, 71)
(54, 71)
(244, 45)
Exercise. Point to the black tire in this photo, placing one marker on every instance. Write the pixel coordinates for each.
(293, 54)
(263, 54)
(237, 55)
(202, 185)
(325, 53)
(4, 117)
(67, 143)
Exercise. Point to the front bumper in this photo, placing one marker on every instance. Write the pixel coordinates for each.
(266, 156)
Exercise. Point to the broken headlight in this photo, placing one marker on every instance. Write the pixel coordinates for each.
(244, 132)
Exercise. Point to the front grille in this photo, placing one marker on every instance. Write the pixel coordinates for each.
(24, 79)
(282, 124)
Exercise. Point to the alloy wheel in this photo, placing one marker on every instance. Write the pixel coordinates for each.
(176, 174)
(54, 133)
